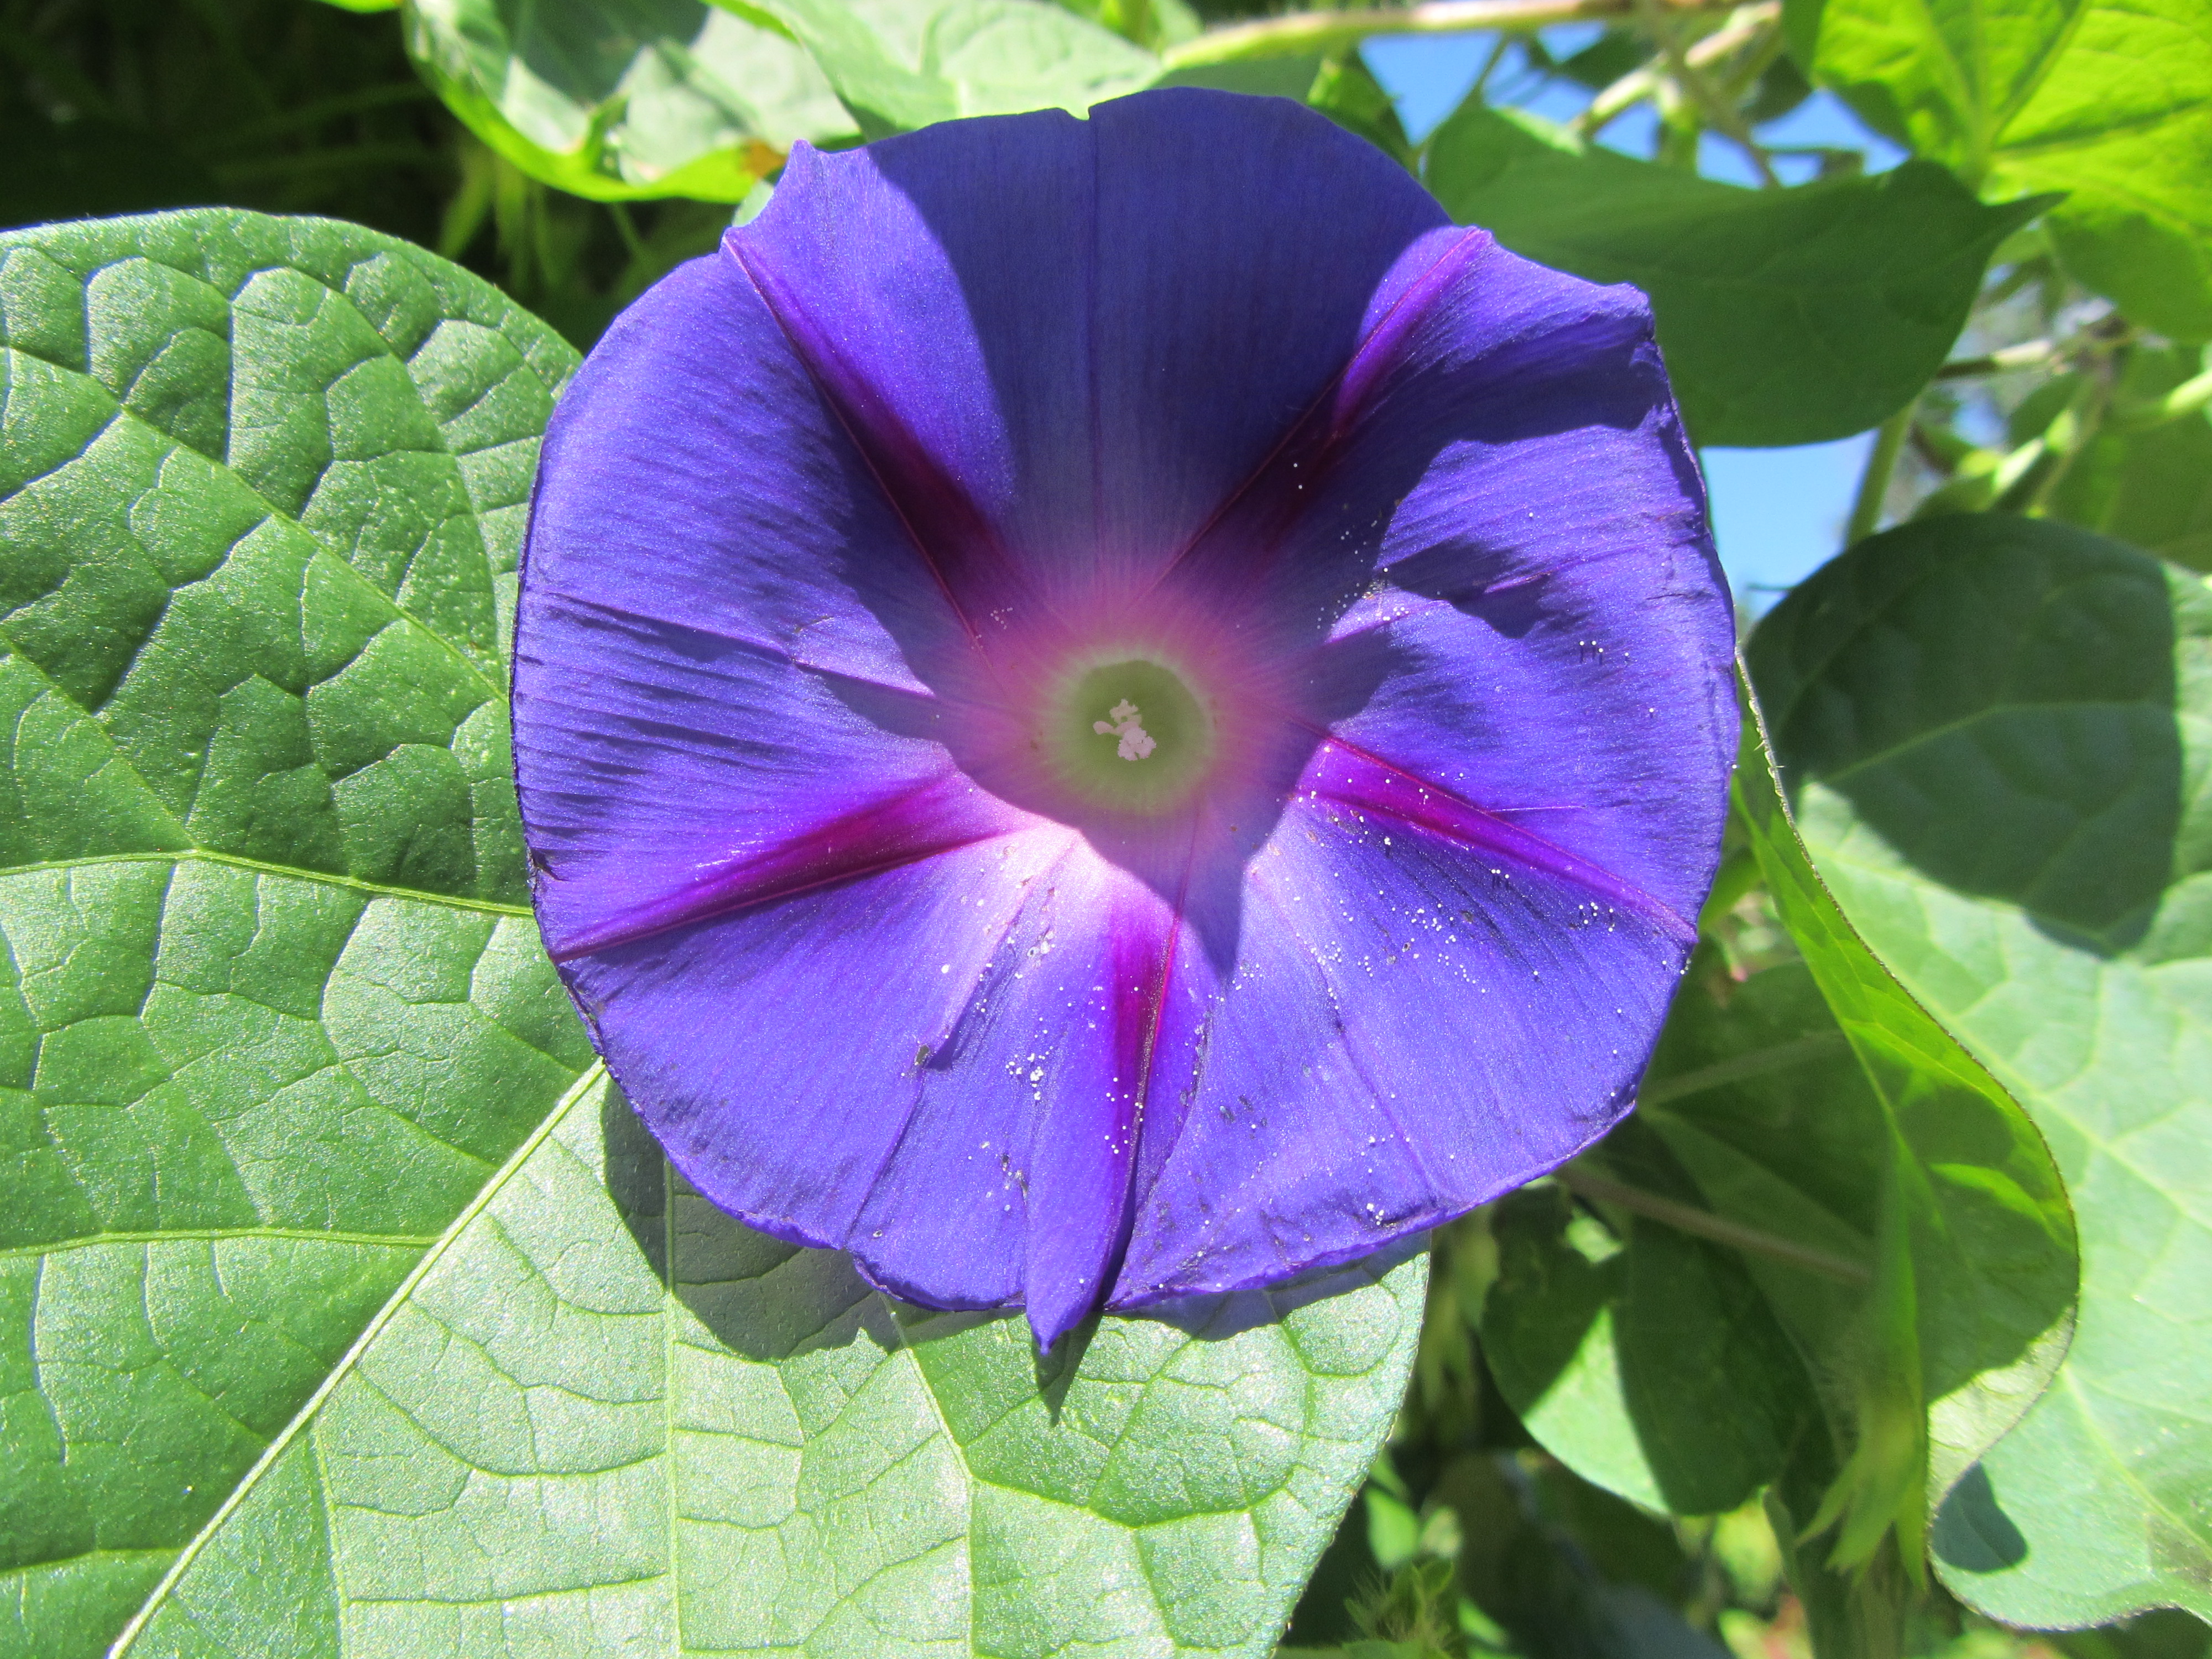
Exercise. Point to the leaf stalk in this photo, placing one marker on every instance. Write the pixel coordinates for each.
(1874, 482)
(1704, 1223)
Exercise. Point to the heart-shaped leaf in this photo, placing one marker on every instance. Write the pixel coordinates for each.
(2107, 100)
(1787, 316)
(1999, 731)
(274, 1002)
(604, 1415)
(334, 1309)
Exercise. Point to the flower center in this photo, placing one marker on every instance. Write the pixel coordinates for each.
(1125, 721)
(1129, 736)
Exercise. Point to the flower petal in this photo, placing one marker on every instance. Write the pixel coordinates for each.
(1500, 526)
(825, 516)
(1410, 1026)
(710, 663)
(786, 1055)
(1456, 948)
(936, 1066)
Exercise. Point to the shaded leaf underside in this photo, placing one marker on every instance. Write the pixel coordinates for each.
(2021, 834)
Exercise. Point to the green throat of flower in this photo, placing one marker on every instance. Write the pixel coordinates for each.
(1128, 736)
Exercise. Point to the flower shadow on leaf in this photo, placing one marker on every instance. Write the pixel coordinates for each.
(1971, 1531)
(771, 1301)
(760, 1297)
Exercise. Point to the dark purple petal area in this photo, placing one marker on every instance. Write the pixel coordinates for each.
(1070, 382)
(1110, 708)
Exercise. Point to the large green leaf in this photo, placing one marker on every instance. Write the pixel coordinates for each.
(640, 98)
(2109, 100)
(1787, 316)
(2149, 486)
(899, 64)
(274, 1006)
(305, 1149)
(1975, 1254)
(1999, 731)
(1812, 1155)
(603, 1417)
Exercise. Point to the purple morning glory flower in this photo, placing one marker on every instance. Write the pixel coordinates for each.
(1112, 708)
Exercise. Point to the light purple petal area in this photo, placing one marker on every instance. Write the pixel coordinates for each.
(692, 474)
(698, 775)
(1047, 1064)
(1065, 386)
(992, 1006)
(714, 670)
(1411, 1026)
(785, 1053)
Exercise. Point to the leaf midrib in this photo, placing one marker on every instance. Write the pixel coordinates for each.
(257, 866)
(304, 1417)
(216, 1236)
(1832, 778)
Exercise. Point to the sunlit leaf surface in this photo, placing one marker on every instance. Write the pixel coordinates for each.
(2151, 487)
(607, 1417)
(2109, 100)
(899, 64)
(274, 1003)
(647, 98)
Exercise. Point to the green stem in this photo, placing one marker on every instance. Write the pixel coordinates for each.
(1704, 1223)
(2005, 360)
(2191, 397)
(1299, 32)
(1687, 68)
(2068, 436)
(1640, 82)
(1874, 483)
(1490, 65)
(627, 228)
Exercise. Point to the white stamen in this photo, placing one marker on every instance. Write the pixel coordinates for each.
(1124, 721)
